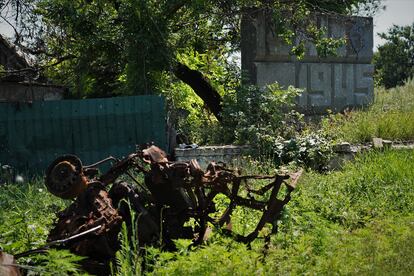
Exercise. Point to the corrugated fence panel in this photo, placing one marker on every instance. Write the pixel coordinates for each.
(32, 135)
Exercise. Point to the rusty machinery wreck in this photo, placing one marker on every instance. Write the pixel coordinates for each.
(169, 195)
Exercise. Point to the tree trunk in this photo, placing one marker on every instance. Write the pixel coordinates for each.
(201, 87)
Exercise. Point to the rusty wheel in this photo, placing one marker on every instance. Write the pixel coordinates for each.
(65, 178)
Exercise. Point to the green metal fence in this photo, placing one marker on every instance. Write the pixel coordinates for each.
(33, 135)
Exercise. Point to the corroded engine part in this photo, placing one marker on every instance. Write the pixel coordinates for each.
(90, 209)
(128, 199)
(154, 154)
(65, 178)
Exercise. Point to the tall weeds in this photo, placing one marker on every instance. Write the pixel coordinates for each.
(128, 261)
(390, 117)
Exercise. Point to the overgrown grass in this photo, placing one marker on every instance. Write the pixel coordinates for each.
(26, 214)
(384, 247)
(376, 185)
(390, 117)
(358, 221)
(27, 211)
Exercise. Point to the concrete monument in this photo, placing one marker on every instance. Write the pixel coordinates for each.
(334, 83)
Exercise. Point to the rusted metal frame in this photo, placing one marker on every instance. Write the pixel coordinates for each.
(267, 215)
(208, 202)
(110, 158)
(127, 193)
(118, 169)
(203, 202)
(257, 177)
(142, 186)
(122, 191)
(45, 247)
(273, 207)
(226, 216)
(190, 190)
(203, 228)
(196, 183)
(218, 184)
(262, 190)
(250, 203)
(235, 200)
(224, 169)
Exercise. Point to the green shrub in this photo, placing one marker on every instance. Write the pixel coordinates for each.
(310, 151)
(265, 119)
(254, 116)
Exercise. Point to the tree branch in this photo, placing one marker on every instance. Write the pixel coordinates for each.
(202, 87)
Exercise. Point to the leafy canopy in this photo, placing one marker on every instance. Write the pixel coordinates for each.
(394, 61)
(109, 47)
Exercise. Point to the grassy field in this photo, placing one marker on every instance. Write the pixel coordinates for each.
(390, 117)
(358, 221)
(355, 222)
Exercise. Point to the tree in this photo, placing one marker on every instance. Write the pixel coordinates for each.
(103, 48)
(394, 60)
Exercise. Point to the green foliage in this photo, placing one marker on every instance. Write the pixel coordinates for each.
(394, 61)
(218, 66)
(307, 150)
(367, 8)
(346, 6)
(254, 115)
(265, 119)
(78, 43)
(26, 213)
(105, 48)
(390, 117)
(221, 258)
(381, 248)
(187, 111)
(297, 26)
(56, 262)
(128, 261)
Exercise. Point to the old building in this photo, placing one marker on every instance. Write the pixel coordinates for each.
(19, 82)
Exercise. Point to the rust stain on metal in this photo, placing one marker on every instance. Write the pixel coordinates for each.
(172, 194)
(65, 177)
